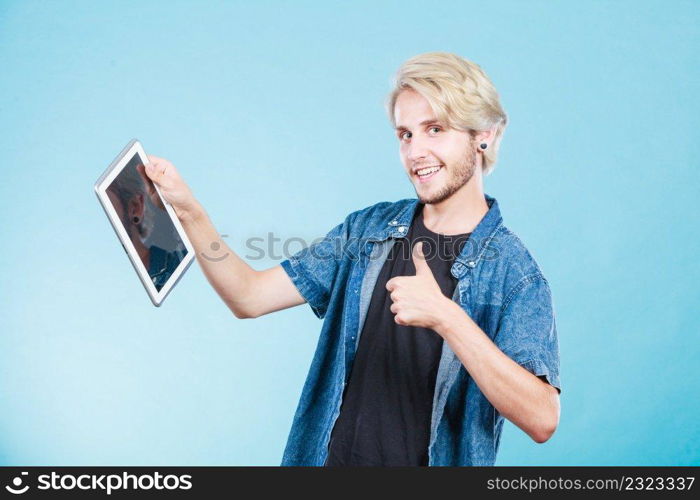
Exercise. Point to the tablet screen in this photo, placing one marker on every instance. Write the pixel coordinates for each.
(146, 222)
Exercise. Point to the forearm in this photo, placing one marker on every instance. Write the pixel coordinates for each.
(228, 274)
(517, 394)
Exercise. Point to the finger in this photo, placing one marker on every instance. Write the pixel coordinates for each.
(156, 171)
(394, 308)
(422, 267)
(394, 283)
(155, 159)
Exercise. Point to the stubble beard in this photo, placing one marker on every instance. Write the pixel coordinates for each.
(459, 175)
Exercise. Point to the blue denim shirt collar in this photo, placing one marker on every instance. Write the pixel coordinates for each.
(397, 227)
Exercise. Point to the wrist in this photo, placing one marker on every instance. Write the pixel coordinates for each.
(194, 212)
(451, 316)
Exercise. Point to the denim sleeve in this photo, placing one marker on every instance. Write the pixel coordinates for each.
(313, 269)
(527, 331)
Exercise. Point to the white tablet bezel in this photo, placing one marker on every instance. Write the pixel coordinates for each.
(157, 297)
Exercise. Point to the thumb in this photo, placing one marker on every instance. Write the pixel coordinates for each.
(152, 172)
(149, 168)
(422, 267)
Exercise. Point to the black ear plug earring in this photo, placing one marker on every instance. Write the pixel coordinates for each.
(483, 145)
(136, 220)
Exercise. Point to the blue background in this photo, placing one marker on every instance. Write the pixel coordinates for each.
(274, 115)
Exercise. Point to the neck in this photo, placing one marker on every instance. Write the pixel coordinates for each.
(461, 212)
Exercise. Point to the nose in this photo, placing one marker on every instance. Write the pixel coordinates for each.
(417, 149)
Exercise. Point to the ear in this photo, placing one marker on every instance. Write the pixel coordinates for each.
(136, 205)
(486, 136)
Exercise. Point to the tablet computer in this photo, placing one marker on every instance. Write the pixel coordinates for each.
(145, 223)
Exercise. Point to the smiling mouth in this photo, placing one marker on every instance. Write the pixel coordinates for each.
(426, 177)
(214, 259)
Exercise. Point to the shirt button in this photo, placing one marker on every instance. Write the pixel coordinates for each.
(471, 263)
(394, 222)
(402, 229)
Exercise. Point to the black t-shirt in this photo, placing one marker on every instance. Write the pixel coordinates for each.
(386, 411)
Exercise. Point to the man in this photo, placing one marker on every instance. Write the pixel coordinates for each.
(421, 356)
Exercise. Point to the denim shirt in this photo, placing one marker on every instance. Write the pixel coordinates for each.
(500, 287)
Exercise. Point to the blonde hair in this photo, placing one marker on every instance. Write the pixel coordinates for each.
(460, 94)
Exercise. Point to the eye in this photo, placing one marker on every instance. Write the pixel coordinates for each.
(437, 129)
(405, 135)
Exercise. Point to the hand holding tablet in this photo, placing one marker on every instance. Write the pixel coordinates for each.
(146, 218)
(172, 187)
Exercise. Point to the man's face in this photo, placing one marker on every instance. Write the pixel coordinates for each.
(427, 143)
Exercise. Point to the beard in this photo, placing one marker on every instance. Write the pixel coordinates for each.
(459, 175)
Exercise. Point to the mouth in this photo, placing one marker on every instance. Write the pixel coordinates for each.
(424, 174)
